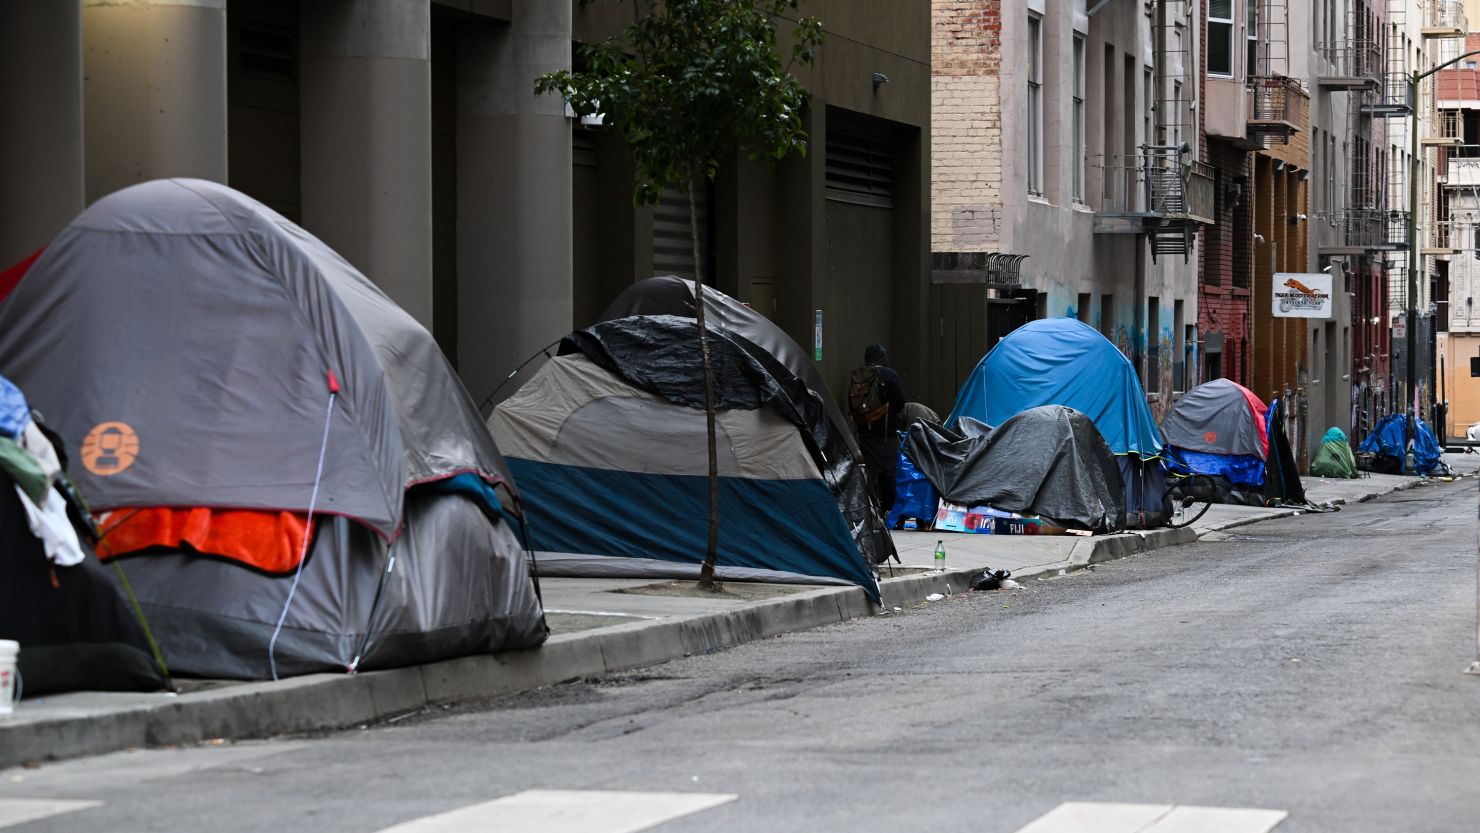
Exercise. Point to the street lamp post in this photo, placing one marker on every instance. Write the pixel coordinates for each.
(1414, 169)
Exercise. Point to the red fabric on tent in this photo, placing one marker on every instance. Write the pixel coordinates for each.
(265, 540)
(12, 276)
(1259, 409)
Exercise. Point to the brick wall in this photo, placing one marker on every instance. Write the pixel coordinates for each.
(1223, 295)
(966, 126)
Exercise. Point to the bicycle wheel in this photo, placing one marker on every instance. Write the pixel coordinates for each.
(1191, 498)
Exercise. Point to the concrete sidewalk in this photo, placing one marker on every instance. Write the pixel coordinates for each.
(599, 626)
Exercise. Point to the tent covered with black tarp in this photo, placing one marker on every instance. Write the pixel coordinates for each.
(1048, 461)
(608, 444)
(1062, 361)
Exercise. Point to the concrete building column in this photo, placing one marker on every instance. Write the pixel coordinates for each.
(514, 226)
(41, 154)
(367, 140)
(155, 91)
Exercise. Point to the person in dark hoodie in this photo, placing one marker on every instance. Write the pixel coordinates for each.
(878, 439)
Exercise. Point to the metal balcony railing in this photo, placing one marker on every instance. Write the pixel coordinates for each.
(1176, 188)
(1441, 234)
(1373, 228)
(1459, 167)
(1351, 63)
(1445, 18)
(1157, 182)
(1120, 183)
(1277, 100)
(1393, 98)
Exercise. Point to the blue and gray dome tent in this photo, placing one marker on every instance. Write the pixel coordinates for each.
(1063, 361)
(607, 442)
(1218, 429)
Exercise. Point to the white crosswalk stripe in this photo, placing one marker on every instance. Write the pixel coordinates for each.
(567, 811)
(14, 811)
(1096, 817)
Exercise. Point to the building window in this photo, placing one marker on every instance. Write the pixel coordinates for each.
(1153, 344)
(1220, 38)
(1251, 35)
(1148, 105)
(1078, 178)
(1035, 104)
(1176, 114)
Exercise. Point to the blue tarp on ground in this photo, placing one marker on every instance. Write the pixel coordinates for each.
(914, 497)
(1062, 361)
(1390, 439)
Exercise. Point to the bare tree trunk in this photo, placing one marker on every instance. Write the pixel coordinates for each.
(706, 572)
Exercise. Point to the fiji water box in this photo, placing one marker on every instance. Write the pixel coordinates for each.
(978, 520)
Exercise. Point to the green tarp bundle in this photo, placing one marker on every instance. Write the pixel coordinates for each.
(1334, 457)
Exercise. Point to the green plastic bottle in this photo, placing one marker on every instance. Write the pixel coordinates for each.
(940, 555)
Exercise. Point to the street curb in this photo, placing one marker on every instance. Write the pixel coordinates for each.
(327, 702)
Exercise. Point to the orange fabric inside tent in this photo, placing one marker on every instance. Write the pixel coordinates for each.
(267, 540)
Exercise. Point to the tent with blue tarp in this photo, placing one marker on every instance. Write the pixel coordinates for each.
(1390, 439)
(1063, 361)
(608, 445)
(1218, 429)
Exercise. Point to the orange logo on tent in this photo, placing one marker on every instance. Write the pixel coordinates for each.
(110, 448)
(1210, 437)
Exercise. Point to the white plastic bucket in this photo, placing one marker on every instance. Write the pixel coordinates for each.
(9, 677)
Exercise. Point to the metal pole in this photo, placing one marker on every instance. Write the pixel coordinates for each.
(1413, 166)
(1411, 299)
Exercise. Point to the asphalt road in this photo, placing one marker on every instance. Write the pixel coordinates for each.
(1308, 665)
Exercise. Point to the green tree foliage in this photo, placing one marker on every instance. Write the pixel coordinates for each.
(689, 81)
(685, 85)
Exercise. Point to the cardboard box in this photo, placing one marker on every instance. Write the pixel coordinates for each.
(977, 520)
(1031, 525)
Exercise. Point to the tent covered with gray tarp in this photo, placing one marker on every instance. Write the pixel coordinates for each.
(1048, 461)
(203, 351)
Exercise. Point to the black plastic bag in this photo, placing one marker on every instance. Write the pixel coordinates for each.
(989, 579)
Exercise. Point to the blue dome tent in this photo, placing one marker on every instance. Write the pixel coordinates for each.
(1063, 361)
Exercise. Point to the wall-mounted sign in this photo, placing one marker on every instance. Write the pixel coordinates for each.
(817, 338)
(1298, 295)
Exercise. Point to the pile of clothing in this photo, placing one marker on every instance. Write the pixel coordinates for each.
(30, 458)
(70, 613)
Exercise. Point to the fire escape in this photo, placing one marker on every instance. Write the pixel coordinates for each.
(1162, 193)
(1277, 102)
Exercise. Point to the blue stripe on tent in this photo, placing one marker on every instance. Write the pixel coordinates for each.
(1245, 469)
(792, 526)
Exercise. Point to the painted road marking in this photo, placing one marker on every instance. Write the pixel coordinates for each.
(15, 811)
(567, 811)
(1096, 817)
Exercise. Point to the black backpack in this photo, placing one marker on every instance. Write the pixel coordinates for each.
(866, 402)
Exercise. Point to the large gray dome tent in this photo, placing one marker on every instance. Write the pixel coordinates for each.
(207, 352)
